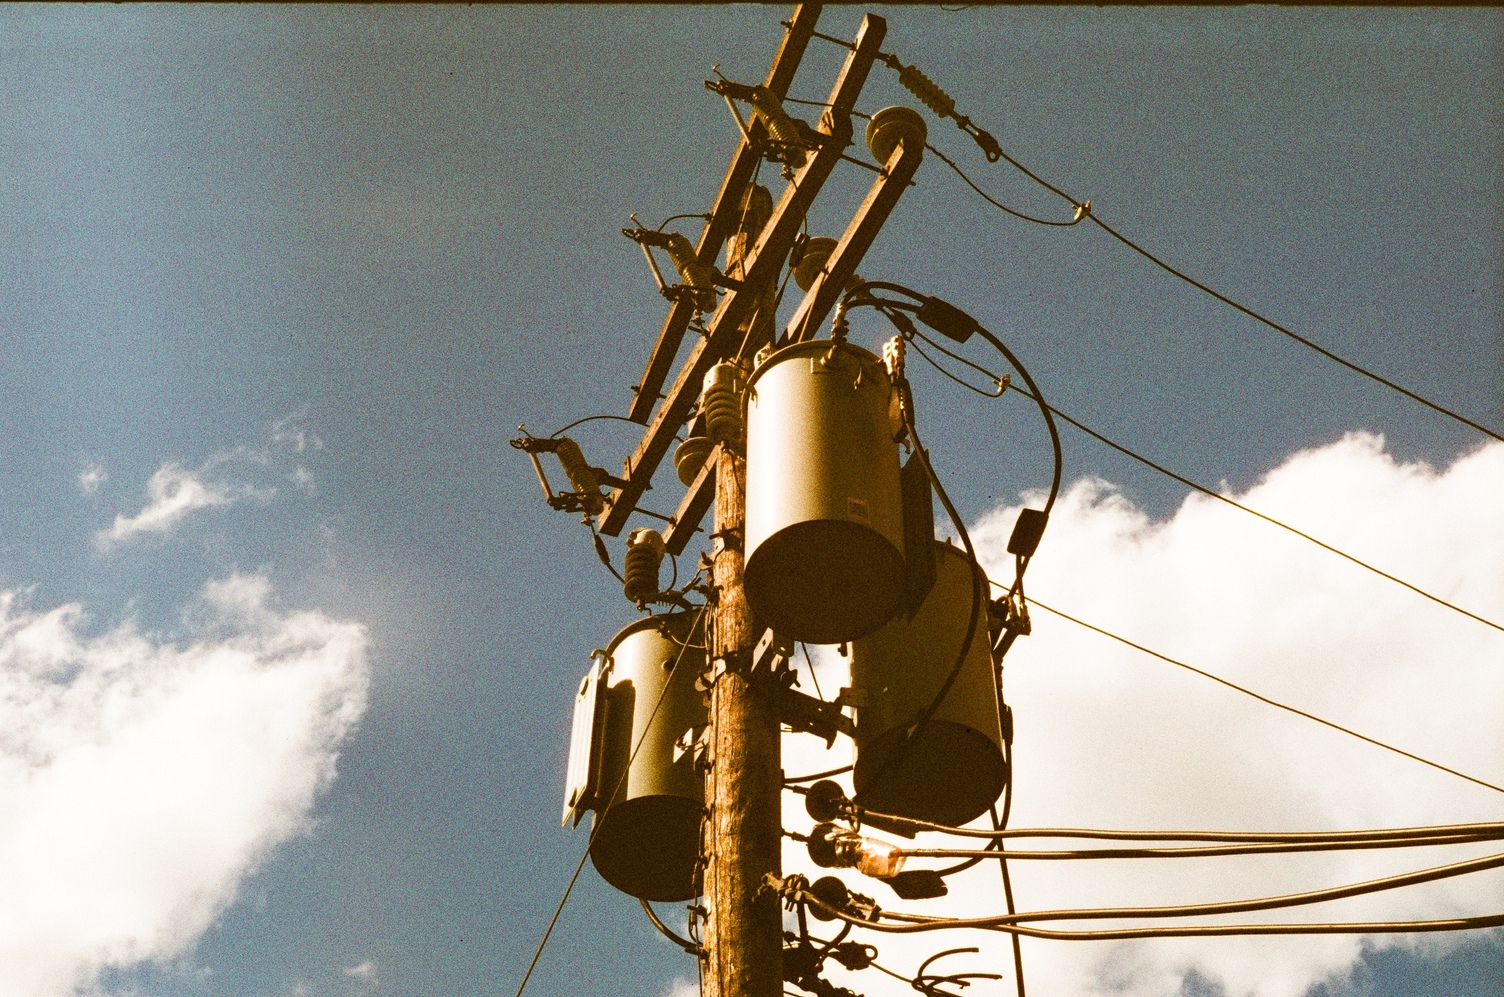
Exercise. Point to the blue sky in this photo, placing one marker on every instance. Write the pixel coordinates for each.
(315, 264)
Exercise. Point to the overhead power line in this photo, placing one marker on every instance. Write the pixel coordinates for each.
(1293, 335)
(943, 106)
(1084, 212)
(909, 923)
(1188, 851)
(1269, 519)
(1265, 699)
(1196, 930)
(1003, 386)
(1487, 830)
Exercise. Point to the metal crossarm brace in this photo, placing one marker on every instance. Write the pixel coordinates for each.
(761, 267)
(723, 215)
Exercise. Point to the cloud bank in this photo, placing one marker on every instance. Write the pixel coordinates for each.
(141, 780)
(1109, 737)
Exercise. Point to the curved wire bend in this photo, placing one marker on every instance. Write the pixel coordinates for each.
(669, 933)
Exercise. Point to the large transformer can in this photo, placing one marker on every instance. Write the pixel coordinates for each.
(647, 839)
(824, 528)
(954, 769)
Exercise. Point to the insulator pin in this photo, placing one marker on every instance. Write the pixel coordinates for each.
(893, 125)
(645, 550)
(690, 457)
(780, 126)
(581, 475)
(722, 403)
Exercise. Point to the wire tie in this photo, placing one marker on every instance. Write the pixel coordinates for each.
(1082, 210)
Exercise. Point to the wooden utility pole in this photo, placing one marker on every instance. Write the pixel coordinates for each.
(743, 937)
(744, 782)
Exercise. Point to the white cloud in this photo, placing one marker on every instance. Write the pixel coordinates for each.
(91, 477)
(141, 780)
(291, 433)
(172, 494)
(681, 987)
(365, 971)
(1109, 737)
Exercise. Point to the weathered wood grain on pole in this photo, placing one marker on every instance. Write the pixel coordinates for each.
(856, 240)
(744, 783)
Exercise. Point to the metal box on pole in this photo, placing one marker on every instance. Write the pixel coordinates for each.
(824, 529)
(954, 768)
(646, 841)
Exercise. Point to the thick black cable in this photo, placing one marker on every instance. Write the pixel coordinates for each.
(998, 204)
(908, 330)
(1034, 393)
(1044, 409)
(812, 677)
(590, 418)
(602, 554)
(1489, 829)
(917, 922)
(595, 825)
(669, 933)
(687, 214)
(978, 596)
(1000, 383)
(1285, 901)
(1007, 797)
(1196, 930)
(1266, 699)
(791, 780)
(1000, 823)
(997, 825)
(965, 384)
(1202, 851)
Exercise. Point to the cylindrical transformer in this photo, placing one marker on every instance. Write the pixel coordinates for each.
(824, 529)
(648, 838)
(954, 768)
